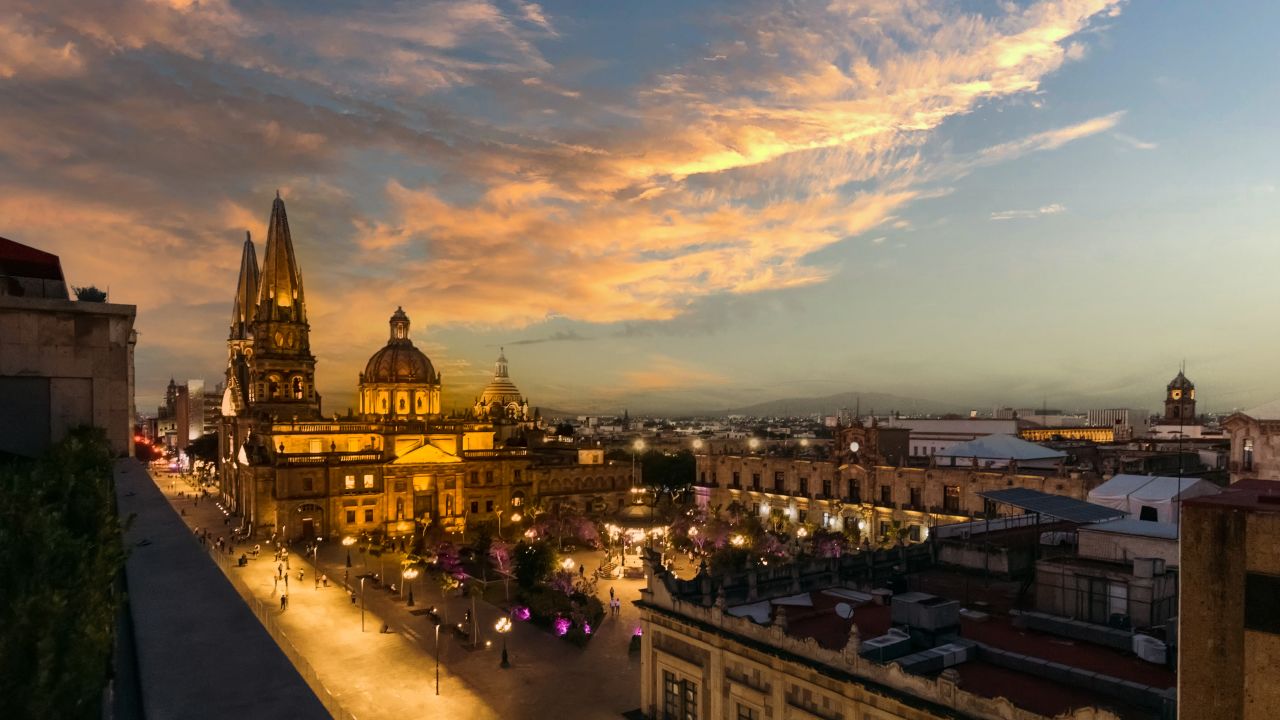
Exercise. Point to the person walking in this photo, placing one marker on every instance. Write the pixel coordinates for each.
(610, 595)
(284, 602)
(280, 569)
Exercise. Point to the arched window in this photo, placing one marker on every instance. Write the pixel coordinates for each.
(384, 404)
(273, 387)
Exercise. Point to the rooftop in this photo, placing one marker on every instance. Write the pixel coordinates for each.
(1252, 495)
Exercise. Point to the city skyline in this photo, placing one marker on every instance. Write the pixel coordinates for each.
(670, 208)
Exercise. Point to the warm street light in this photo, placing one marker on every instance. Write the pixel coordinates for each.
(802, 533)
(347, 542)
(738, 541)
(697, 443)
(409, 574)
(315, 561)
(503, 626)
(567, 564)
(754, 443)
(438, 657)
(693, 532)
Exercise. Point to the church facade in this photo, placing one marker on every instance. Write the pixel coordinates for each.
(398, 467)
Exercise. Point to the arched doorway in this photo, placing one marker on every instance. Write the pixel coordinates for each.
(310, 521)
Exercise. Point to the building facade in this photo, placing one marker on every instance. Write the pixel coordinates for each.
(1255, 443)
(400, 466)
(63, 363)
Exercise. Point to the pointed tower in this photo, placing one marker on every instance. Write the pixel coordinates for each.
(280, 381)
(246, 293)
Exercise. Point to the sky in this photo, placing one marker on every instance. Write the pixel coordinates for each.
(675, 206)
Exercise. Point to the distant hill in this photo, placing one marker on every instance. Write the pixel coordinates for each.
(828, 404)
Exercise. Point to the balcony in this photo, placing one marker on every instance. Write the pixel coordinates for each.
(364, 456)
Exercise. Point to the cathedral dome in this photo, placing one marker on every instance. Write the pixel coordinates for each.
(399, 361)
(500, 390)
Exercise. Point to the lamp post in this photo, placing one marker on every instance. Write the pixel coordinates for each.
(437, 658)
(408, 574)
(636, 447)
(362, 604)
(347, 542)
(503, 627)
(315, 561)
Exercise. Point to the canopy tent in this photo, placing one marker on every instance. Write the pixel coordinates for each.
(1150, 497)
(999, 450)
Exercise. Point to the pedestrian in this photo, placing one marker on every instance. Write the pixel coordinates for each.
(353, 598)
(582, 570)
(611, 595)
(325, 580)
(280, 569)
(275, 585)
(286, 583)
(299, 574)
(284, 600)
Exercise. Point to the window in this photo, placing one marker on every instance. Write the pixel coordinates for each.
(779, 481)
(448, 505)
(307, 484)
(351, 517)
(1260, 591)
(368, 482)
(755, 481)
(401, 485)
(746, 712)
(488, 477)
(517, 497)
(886, 494)
(488, 506)
(399, 508)
(314, 445)
(855, 490)
(989, 508)
(515, 475)
(951, 498)
(804, 486)
(475, 506)
(475, 477)
(297, 388)
(737, 479)
(826, 488)
(713, 479)
(368, 515)
(349, 482)
(915, 498)
(679, 698)
(1247, 455)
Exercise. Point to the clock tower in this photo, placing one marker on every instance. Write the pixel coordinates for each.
(281, 369)
(1180, 401)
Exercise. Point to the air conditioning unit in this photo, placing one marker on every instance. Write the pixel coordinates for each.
(1150, 649)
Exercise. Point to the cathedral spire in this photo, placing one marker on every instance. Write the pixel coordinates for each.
(500, 367)
(246, 292)
(280, 295)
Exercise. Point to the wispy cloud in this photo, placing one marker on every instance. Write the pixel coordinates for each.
(558, 336)
(1134, 142)
(1053, 209)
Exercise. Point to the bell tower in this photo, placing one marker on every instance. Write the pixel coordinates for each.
(280, 380)
(1180, 401)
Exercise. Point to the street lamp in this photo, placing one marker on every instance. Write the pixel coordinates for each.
(697, 443)
(347, 542)
(408, 574)
(315, 561)
(361, 604)
(503, 627)
(636, 447)
(438, 657)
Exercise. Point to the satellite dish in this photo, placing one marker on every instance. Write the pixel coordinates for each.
(844, 610)
(853, 446)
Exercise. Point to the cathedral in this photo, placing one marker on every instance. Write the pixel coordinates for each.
(397, 467)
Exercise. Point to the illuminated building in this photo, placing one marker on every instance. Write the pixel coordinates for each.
(1092, 434)
(399, 466)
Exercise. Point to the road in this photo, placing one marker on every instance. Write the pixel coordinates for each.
(392, 675)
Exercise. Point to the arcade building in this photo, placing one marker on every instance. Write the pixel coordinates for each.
(399, 467)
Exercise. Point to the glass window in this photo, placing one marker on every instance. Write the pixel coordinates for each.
(915, 497)
(368, 481)
(368, 515)
(488, 477)
(886, 494)
(804, 486)
(475, 506)
(401, 485)
(779, 481)
(351, 517)
(488, 506)
(746, 712)
(349, 482)
(515, 475)
(307, 484)
(1247, 459)
(755, 481)
(951, 498)
(475, 477)
(737, 479)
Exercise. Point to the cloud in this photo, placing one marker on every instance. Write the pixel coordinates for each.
(1053, 209)
(1134, 142)
(558, 336)
(436, 150)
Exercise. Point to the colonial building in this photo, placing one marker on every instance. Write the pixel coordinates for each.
(1255, 443)
(827, 639)
(399, 466)
(880, 501)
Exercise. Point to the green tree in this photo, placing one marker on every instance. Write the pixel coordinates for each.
(60, 558)
(533, 562)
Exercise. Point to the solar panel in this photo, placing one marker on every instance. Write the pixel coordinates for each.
(1055, 506)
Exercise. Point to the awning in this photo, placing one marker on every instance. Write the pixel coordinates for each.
(1054, 506)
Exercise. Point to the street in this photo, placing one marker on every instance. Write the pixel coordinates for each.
(392, 675)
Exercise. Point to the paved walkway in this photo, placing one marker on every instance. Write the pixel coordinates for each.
(391, 675)
(201, 653)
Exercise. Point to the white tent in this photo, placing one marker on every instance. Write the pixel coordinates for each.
(1150, 497)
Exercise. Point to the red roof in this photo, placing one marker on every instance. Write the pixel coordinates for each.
(1255, 495)
(18, 260)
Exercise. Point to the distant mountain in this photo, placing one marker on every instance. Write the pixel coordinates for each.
(829, 404)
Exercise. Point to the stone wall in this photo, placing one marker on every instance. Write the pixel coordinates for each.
(65, 363)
